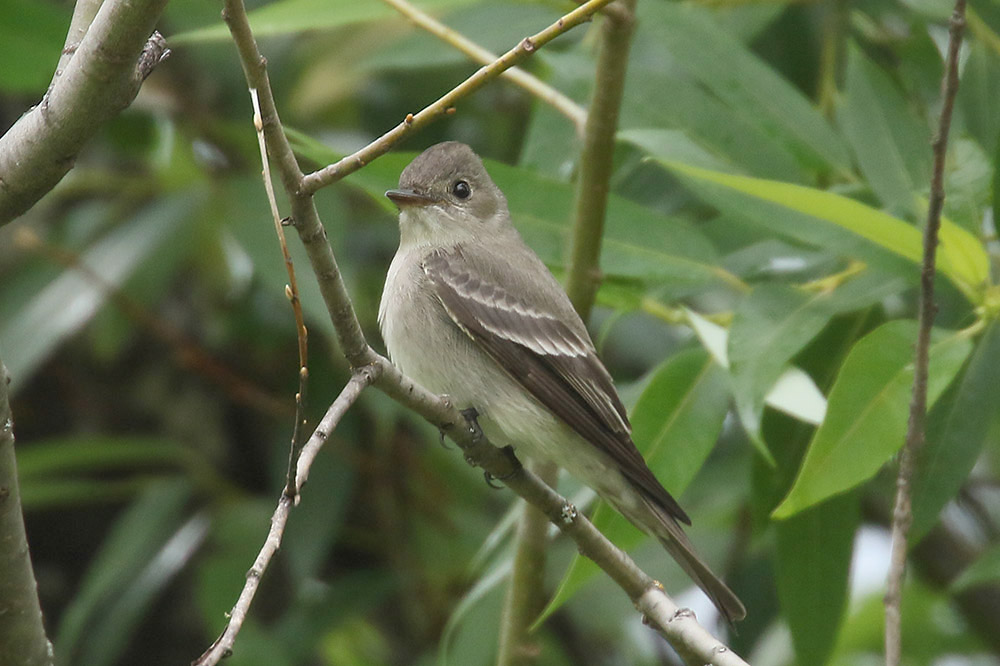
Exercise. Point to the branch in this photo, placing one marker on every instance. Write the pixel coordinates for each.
(291, 292)
(499, 463)
(525, 80)
(445, 105)
(100, 79)
(594, 181)
(902, 515)
(526, 594)
(940, 557)
(223, 645)
(83, 15)
(22, 634)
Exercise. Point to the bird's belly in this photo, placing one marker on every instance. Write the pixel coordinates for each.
(429, 348)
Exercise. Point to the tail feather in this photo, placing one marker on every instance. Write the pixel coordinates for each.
(682, 550)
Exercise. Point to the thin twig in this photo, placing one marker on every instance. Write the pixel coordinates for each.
(902, 515)
(223, 645)
(529, 82)
(446, 104)
(84, 12)
(596, 163)
(291, 292)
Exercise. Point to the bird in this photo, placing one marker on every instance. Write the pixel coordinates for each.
(470, 311)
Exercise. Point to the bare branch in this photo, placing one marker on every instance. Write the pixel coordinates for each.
(529, 82)
(22, 634)
(902, 514)
(688, 638)
(100, 79)
(223, 645)
(291, 291)
(594, 182)
(83, 15)
(443, 106)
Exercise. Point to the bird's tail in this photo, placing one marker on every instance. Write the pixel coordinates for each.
(682, 550)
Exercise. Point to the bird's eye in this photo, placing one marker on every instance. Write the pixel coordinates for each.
(461, 189)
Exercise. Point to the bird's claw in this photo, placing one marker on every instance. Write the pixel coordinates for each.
(515, 468)
(490, 481)
(471, 416)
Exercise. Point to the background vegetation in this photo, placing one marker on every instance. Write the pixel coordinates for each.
(761, 267)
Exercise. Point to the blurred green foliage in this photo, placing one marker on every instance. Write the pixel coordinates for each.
(760, 266)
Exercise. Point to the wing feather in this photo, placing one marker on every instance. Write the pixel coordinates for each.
(556, 365)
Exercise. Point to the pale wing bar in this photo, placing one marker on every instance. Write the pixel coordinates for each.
(557, 366)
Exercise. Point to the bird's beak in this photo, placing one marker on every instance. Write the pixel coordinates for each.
(404, 198)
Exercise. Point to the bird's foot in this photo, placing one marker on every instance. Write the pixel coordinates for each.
(471, 416)
(515, 468)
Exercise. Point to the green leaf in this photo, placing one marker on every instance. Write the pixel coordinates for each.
(868, 407)
(474, 602)
(995, 184)
(977, 95)
(968, 180)
(333, 609)
(889, 142)
(675, 424)
(958, 427)
(769, 327)
(813, 562)
(495, 26)
(674, 145)
(751, 88)
(46, 493)
(774, 323)
(638, 243)
(110, 635)
(71, 300)
(74, 471)
(320, 516)
(31, 39)
(233, 544)
(133, 564)
(712, 128)
(933, 627)
(96, 453)
(984, 571)
(870, 234)
(295, 16)
(793, 393)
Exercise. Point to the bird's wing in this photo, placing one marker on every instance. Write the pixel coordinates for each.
(554, 363)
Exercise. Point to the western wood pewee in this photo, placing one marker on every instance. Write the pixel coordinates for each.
(470, 311)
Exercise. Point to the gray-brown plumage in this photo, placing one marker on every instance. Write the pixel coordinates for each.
(468, 310)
